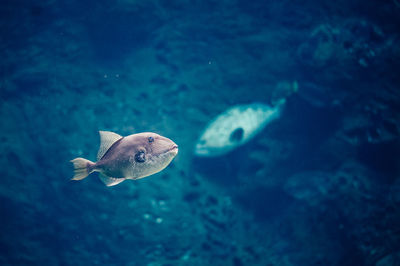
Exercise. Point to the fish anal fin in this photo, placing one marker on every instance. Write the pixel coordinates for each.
(107, 139)
(110, 181)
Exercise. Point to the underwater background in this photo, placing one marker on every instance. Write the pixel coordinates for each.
(318, 186)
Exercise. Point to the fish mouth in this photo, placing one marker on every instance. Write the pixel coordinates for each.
(201, 152)
(173, 149)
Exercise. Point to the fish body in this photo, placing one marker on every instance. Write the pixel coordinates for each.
(132, 157)
(235, 127)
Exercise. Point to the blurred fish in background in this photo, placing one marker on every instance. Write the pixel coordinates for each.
(238, 125)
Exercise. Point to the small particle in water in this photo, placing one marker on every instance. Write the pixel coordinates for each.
(159, 220)
(363, 62)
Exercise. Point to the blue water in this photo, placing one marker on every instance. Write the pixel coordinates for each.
(318, 186)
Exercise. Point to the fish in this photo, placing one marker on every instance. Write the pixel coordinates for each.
(235, 127)
(131, 157)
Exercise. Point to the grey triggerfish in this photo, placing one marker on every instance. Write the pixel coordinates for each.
(132, 157)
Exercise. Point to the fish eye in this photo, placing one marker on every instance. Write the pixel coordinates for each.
(150, 139)
(237, 135)
(140, 157)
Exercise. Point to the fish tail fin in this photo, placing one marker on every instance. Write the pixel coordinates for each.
(82, 168)
(284, 90)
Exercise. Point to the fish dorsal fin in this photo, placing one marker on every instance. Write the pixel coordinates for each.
(110, 181)
(107, 139)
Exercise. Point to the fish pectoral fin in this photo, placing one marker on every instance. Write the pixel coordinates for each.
(110, 181)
